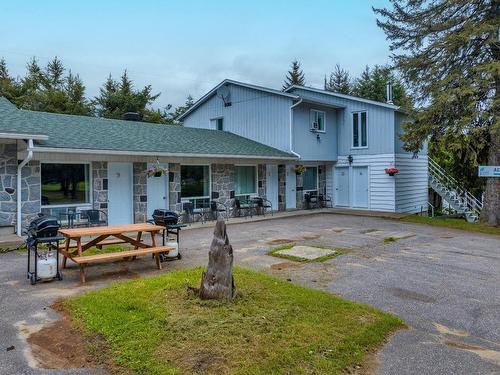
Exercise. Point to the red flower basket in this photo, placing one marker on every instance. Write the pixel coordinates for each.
(391, 171)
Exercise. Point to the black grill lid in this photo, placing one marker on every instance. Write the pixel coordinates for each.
(44, 226)
(165, 217)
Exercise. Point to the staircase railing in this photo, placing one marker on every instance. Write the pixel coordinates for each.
(454, 188)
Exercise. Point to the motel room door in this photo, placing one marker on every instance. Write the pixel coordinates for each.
(360, 187)
(272, 185)
(120, 193)
(342, 186)
(291, 186)
(157, 192)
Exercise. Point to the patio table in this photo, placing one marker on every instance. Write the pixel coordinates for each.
(119, 232)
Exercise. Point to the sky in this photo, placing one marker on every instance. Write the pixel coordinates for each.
(187, 47)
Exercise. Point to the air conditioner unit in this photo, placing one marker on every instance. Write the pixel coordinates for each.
(314, 126)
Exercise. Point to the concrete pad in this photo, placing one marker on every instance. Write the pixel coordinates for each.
(307, 252)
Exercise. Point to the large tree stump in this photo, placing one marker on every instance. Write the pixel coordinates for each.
(218, 282)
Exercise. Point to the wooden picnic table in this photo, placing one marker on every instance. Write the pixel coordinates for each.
(119, 232)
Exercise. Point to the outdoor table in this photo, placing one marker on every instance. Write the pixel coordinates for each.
(102, 233)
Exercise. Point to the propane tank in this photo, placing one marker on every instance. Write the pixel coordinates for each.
(46, 265)
(172, 253)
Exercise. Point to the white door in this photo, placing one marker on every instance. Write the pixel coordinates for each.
(120, 193)
(157, 190)
(291, 182)
(360, 187)
(342, 186)
(272, 185)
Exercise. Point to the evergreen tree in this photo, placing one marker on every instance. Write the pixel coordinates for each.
(178, 111)
(295, 76)
(449, 52)
(339, 81)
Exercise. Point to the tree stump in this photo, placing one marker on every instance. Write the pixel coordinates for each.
(218, 281)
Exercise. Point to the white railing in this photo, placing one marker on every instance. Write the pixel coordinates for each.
(449, 184)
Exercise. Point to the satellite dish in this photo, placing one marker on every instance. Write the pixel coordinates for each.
(224, 93)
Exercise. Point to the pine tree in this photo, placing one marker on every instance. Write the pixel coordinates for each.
(339, 81)
(449, 52)
(178, 111)
(295, 76)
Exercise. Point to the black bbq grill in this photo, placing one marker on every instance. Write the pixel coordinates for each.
(169, 220)
(42, 230)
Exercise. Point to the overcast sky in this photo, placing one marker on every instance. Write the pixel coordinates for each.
(187, 47)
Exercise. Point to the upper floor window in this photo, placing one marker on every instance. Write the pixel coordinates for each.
(218, 123)
(317, 120)
(359, 130)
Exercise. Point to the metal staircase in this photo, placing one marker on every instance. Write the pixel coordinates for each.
(458, 198)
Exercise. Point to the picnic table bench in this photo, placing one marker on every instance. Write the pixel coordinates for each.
(75, 251)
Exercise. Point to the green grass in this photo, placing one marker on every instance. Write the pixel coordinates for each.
(275, 253)
(390, 239)
(106, 249)
(455, 223)
(157, 326)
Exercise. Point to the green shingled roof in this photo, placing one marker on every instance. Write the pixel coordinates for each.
(93, 133)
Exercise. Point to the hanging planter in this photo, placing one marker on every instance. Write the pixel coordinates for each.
(391, 171)
(156, 170)
(299, 169)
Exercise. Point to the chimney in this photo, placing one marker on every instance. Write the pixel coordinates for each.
(132, 116)
(389, 92)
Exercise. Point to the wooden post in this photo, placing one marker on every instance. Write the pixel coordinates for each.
(218, 281)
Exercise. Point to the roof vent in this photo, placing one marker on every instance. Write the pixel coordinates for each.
(132, 116)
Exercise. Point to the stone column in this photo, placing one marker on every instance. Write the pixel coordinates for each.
(174, 186)
(261, 180)
(30, 192)
(281, 187)
(140, 193)
(223, 180)
(299, 191)
(322, 179)
(100, 185)
(8, 172)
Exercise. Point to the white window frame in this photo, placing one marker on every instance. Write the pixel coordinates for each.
(312, 117)
(70, 205)
(256, 184)
(209, 196)
(360, 137)
(215, 120)
(317, 179)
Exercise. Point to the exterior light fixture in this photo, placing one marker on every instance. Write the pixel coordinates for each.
(350, 159)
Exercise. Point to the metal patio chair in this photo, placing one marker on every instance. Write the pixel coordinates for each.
(94, 217)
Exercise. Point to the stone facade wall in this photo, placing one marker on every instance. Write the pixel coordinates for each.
(322, 179)
(140, 193)
(100, 185)
(281, 187)
(8, 172)
(30, 192)
(174, 186)
(299, 191)
(223, 183)
(261, 180)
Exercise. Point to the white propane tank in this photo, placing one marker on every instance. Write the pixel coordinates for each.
(46, 265)
(172, 253)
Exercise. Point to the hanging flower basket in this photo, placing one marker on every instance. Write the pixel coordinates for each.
(299, 169)
(391, 171)
(156, 170)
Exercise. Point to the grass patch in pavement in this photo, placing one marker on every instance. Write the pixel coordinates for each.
(275, 252)
(390, 239)
(455, 223)
(157, 326)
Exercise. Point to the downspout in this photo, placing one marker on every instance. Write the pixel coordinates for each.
(19, 193)
(291, 127)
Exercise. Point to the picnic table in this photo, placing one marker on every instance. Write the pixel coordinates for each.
(74, 251)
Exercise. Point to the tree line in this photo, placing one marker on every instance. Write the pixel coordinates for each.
(53, 88)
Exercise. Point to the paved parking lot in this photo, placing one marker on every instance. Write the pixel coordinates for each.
(442, 282)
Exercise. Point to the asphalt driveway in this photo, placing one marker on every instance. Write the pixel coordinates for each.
(444, 283)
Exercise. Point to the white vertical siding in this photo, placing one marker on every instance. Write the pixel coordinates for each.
(254, 114)
(382, 187)
(411, 183)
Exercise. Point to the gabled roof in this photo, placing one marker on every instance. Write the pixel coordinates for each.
(212, 92)
(343, 96)
(71, 133)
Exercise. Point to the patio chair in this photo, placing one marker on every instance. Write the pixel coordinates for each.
(263, 205)
(93, 217)
(218, 208)
(189, 215)
(325, 201)
(242, 208)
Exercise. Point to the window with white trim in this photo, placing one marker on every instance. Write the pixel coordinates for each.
(245, 180)
(318, 120)
(65, 184)
(195, 185)
(310, 179)
(217, 123)
(359, 130)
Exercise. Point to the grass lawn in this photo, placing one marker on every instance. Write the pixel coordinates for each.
(157, 326)
(454, 223)
(275, 253)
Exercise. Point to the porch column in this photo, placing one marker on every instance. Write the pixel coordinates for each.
(100, 185)
(261, 178)
(140, 193)
(223, 180)
(174, 187)
(299, 191)
(281, 187)
(8, 175)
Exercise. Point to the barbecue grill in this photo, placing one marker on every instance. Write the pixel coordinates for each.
(169, 220)
(43, 230)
